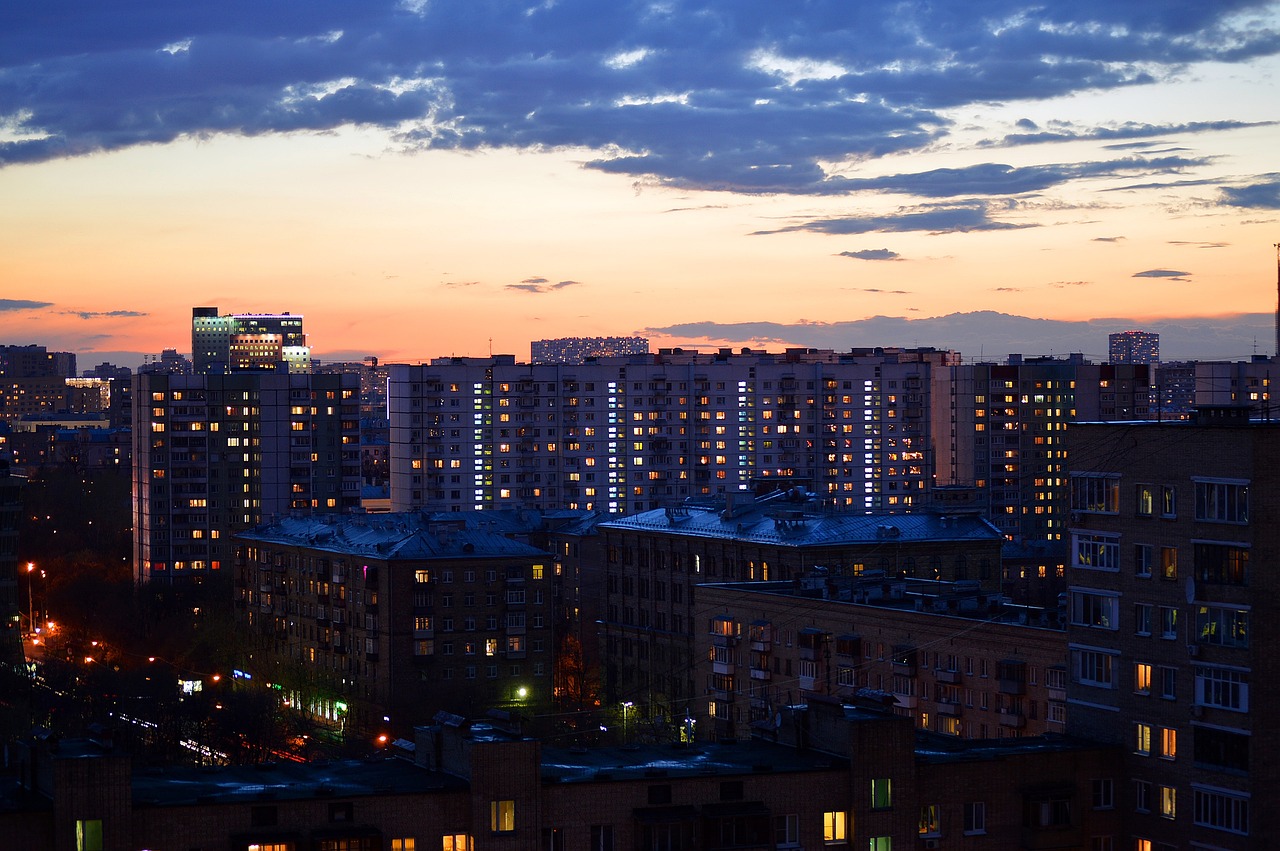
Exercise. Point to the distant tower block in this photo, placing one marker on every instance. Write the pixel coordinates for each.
(1134, 347)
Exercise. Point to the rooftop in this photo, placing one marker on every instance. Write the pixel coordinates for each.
(788, 518)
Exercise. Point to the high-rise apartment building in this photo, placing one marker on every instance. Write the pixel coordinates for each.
(247, 342)
(1001, 428)
(33, 381)
(578, 349)
(1173, 606)
(637, 433)
(1133, 347)
(213, 454)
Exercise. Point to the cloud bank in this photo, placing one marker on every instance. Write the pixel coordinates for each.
(744, 97)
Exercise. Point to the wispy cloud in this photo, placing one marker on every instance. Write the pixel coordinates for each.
(540, 285)
(964, 217)
(1108, 239)
(104, 314)
(1066, 131)
(877, 290)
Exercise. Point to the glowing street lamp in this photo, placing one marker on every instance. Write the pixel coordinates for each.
(31, 608)
(626, 728)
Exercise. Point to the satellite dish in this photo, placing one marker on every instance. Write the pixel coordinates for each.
(1191, 589)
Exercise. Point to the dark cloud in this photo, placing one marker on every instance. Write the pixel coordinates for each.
(534, 281)
(690, 93)
(108, 314)
(1065, 131)
(930, 218)
(22, 304)
(1108, 238)
(1199, 244)
(871, 254)
(1206, 338)
(1263, 194)
(1168, 274)
(460, 284)
(1006, 289)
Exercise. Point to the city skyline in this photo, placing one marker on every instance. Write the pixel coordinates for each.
(430, 179)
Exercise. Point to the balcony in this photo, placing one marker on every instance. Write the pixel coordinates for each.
(949, 676)
(761, 674)
(950, 709)
(906, 701)
(1014, 687)
(1012, 719)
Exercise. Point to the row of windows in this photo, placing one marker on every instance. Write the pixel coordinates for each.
(1216, 501)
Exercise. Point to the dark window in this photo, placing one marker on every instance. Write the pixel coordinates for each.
(1221, 748)
(660, 794)
(340, 812)
(601, 837)
(1221, 564)
(263, 816)
(731, 790)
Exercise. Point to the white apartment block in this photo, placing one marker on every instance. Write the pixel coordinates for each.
(629, 434)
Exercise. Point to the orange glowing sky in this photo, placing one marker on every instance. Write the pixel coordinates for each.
(1142, 190)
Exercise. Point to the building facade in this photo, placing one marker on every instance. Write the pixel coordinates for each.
(633, 434)
(954, 658)
(374, 623)
(243, 342)
(33, 381)
(831, 778)
(1133, 347)
(1173, 619)
(1006, 424)
(214, 454)
(648, 623)
(578, 349)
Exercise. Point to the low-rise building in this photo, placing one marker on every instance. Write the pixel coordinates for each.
(954, 659)
(372, 623)
(831, 777)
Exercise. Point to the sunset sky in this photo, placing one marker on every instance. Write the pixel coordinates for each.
(439, 177)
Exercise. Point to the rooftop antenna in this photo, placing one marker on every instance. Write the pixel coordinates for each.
(1277, 331)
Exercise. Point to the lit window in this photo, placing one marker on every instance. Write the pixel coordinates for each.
(833, 827)
(881, 794)
(502, 816)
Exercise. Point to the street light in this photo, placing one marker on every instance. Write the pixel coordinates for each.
(31, 608)
(626, 729)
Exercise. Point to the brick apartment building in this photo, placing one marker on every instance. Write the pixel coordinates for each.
(953, 658)
(373, 623)
(654, 561)
(1174, 615)
(832, 777)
